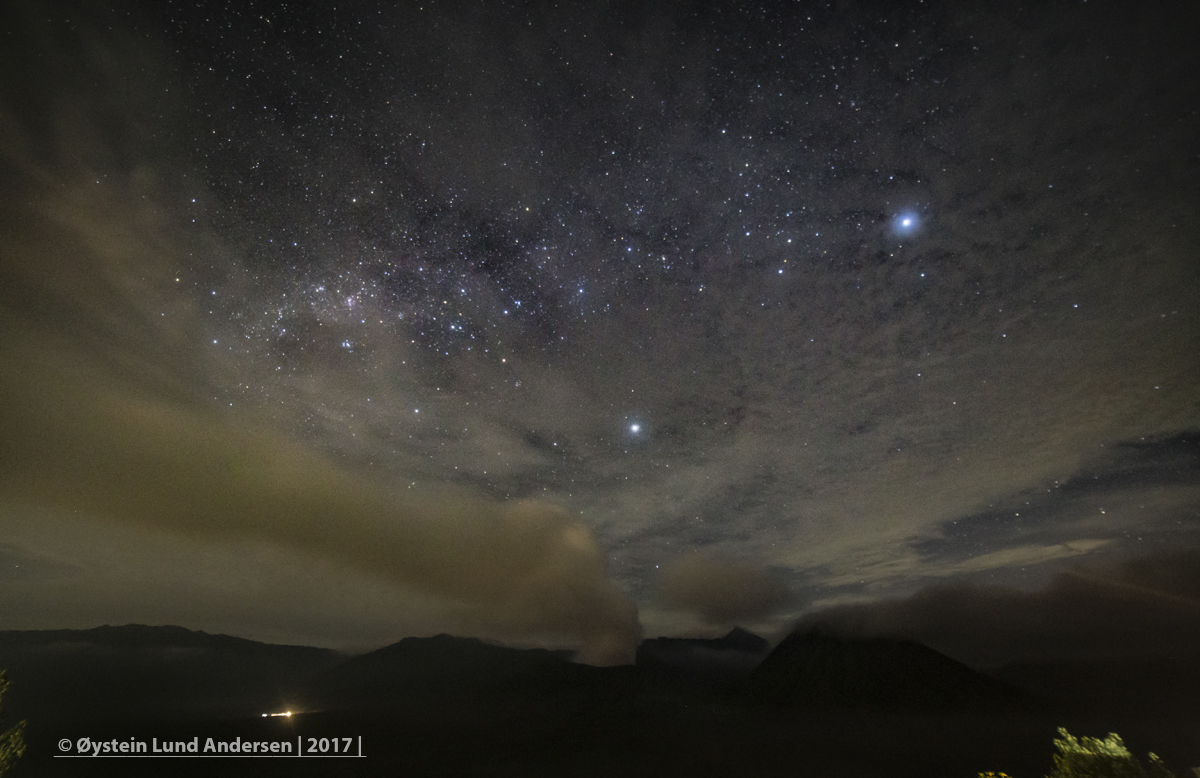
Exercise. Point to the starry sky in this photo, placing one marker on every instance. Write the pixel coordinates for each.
(563, 324)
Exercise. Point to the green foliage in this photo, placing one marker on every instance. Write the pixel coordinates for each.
(12, 742)
(1091, 757)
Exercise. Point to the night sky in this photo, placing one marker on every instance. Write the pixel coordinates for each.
(568, 324)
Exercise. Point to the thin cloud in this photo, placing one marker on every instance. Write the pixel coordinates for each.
(1146, 607)
(85, 442)
(720, 591)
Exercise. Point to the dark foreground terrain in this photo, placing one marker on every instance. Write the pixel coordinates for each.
(448, 706)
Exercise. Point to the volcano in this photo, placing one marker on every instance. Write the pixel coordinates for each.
(814, 669)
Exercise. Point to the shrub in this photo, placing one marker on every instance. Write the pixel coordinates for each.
(12, 742)
(1091, 757)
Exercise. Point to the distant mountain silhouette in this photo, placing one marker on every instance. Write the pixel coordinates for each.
(739, 639)
(731, 656)
(141, 636)
(818, 670)
(136, 668)
(442, 663)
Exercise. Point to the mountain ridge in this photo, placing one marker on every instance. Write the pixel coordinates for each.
(138, 667)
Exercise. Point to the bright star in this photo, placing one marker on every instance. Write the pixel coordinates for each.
(905, 223)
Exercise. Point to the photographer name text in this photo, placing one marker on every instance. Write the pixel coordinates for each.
(132, 747)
